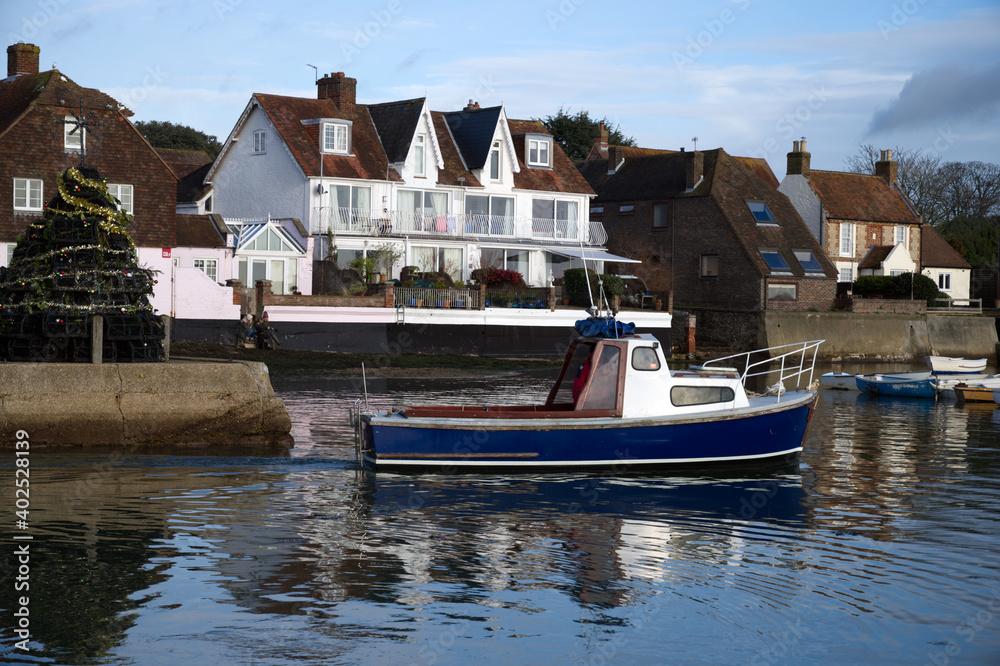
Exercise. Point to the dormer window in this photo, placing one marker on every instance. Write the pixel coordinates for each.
(540, 152)
(259, 142)
(495, 161)
(337, 137)
(74, 137)
(419, 146)
(761, 212)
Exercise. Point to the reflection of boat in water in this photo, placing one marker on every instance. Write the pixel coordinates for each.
(615, 405)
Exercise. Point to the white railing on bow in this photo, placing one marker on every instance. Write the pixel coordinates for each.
(472, 225)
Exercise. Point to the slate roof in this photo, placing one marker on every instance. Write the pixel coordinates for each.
(473, 133)
(730, 182)
(198, 231)
(367, 161)
(562, 177)
(936, 252)
(854, 196)
(453, 165)
(190, 167)
(876, 255)
(396, 123)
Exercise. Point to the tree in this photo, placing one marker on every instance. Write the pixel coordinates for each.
(164, 134)
(576, 133)
(976, 239)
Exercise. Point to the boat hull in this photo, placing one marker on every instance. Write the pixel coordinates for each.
(897, 388)
(751, 435)
(945, 365)
(841, 381)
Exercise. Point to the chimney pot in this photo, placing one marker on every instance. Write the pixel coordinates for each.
(887, 168)
(339, 88)
(798, 159)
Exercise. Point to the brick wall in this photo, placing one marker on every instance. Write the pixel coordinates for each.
(886, 306)
(812, 293)
(34, 149)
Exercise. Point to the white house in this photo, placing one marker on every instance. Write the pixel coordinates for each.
(454, 191)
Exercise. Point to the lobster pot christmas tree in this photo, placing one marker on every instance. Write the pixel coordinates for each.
(76, 262)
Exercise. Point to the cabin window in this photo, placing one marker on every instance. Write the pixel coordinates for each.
(687, 396)
(645, 358)
(603, 393)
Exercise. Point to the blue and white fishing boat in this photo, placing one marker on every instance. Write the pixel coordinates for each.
(917, 385)
(616, 405)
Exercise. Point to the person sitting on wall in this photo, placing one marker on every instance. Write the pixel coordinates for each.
(266, 338)
(251, 332)
(243, 329)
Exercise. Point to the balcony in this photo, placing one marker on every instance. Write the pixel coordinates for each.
(357, 222)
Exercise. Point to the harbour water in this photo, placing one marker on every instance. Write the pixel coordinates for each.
(882, 545)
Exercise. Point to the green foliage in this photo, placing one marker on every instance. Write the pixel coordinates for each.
(164, 134)
(458, 284)
(576, 133)
(440, 285)
(357, 288)
(976, 239)
(575, 285)
(408, 283)
(365, 267)
(386, 255)
(898, 286)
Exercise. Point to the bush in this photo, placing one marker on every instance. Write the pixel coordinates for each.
(898, 286)
(575, 285)
(357, 288)
(458, 284)
(440, 285)
(502, 276)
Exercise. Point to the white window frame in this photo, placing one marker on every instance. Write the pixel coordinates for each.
(76, 141)
(209, 266)
(335, 137)
(420, 155)
(845, 274)
(10, 247)
(125, 194)
(902, 235)
(944, 281)
(32, 191)
(542, 149)
(495, 163)
(847, 234)
(259, 142)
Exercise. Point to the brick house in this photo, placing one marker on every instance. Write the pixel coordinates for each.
(452, 191)
(708, 226)
(864, 223)
(37, 146)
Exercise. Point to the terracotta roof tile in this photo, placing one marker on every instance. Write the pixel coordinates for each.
(198, 231)
(183, 162)
(876, 255)
(853, 196)
(562, 177)
(936, 252)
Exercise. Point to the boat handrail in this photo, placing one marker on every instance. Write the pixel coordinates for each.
(789, 367)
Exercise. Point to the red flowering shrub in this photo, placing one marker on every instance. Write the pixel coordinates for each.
(501, 276)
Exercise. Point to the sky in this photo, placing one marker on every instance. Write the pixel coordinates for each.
(749, 76)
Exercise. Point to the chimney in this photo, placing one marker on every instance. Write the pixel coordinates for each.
(616, 155)
(22, 59)
(798, 159)
(694, 169)
(602, 139)
(887, 168)
(339, 88)
(471, 106)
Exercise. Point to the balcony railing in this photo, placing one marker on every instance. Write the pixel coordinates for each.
(359, 222)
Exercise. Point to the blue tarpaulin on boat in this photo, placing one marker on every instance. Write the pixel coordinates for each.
(605, 327)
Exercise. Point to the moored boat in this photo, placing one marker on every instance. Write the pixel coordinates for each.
(842, 381)
(617, 405)
(965, 393)
(948, 364)
(898, 387)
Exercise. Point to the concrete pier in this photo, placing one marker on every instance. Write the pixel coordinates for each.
(141, 404)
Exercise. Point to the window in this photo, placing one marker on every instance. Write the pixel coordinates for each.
(902, 235)
(27, 194)
(514, 260)
(418, 154)
(782, 292)
(774, 260)
(209, 267)
(626, 208)
(74, 138)
(489, 215)
(495, 161)
(538, 152)
(710, 265)
(845, 274)
(259, 142)
(124, 195)
(596, 210)
(603, 391)
(645, 358)
(894, 272)
(687, 396)
(846, 239)
(10, 252)
(336, 138)
(944, 281)
(438, 260)
(808, 261)
(761, 212)
(661, 215)
(357, 199)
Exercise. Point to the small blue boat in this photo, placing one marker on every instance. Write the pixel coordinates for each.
(616, 405)
(919, 386)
